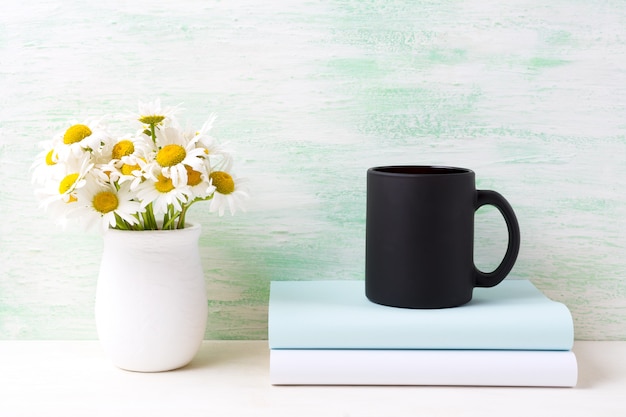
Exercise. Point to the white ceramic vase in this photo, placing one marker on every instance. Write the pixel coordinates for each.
(151, 305)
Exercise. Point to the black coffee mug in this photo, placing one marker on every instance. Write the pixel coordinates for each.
(419, 245)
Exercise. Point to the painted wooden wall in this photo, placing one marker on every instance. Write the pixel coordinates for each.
(530, 94)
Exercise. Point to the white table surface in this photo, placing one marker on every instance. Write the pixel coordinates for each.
(231, 378)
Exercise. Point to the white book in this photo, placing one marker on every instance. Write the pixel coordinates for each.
(423, 367)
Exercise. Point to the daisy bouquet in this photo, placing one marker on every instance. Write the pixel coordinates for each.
(141, 181)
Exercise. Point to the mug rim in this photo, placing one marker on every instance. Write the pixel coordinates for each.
(421, 170)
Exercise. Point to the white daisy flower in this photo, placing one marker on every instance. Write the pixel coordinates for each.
(130, 169)
(80, 138)
(114, 149)
(102, 205)
(61, 188)
(228, 192)
(152, 113)
(202, 135)
(199, 184)
(174, 153)
(46, 164)
(162, 193)
(211, 147)
(127, 161)
(134, 145)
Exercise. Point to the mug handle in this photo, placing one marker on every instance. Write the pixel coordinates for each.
(490, 279)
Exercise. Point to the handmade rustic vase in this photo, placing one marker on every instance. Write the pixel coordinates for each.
(151, 306)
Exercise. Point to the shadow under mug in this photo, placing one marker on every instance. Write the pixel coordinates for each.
(420, 236)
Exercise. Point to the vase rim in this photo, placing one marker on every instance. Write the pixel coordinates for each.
(188, 226)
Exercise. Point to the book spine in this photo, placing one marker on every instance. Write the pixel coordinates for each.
(423, 367)
(560, 340)
(554, 332)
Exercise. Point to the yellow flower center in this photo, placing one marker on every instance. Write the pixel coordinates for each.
(128, 169)
(223, 182)
(105, 201)
(123, 148)
(163, 184)
(75, 134)
(152, 119)
(193, 177)
(51, 158)
(170, 155)
(67, 183)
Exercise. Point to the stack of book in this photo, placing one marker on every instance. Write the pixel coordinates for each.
(329, 333)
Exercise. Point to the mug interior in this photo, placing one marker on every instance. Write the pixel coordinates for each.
(420, 170)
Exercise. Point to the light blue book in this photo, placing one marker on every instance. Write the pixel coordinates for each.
(514, 315)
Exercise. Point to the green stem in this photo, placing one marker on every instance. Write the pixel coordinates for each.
(183, 213)
(149, 220)
(121, 223)
(181, 217)
(153, 132)
(169, 218)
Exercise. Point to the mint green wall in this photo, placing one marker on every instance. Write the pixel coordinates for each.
(530, 94)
